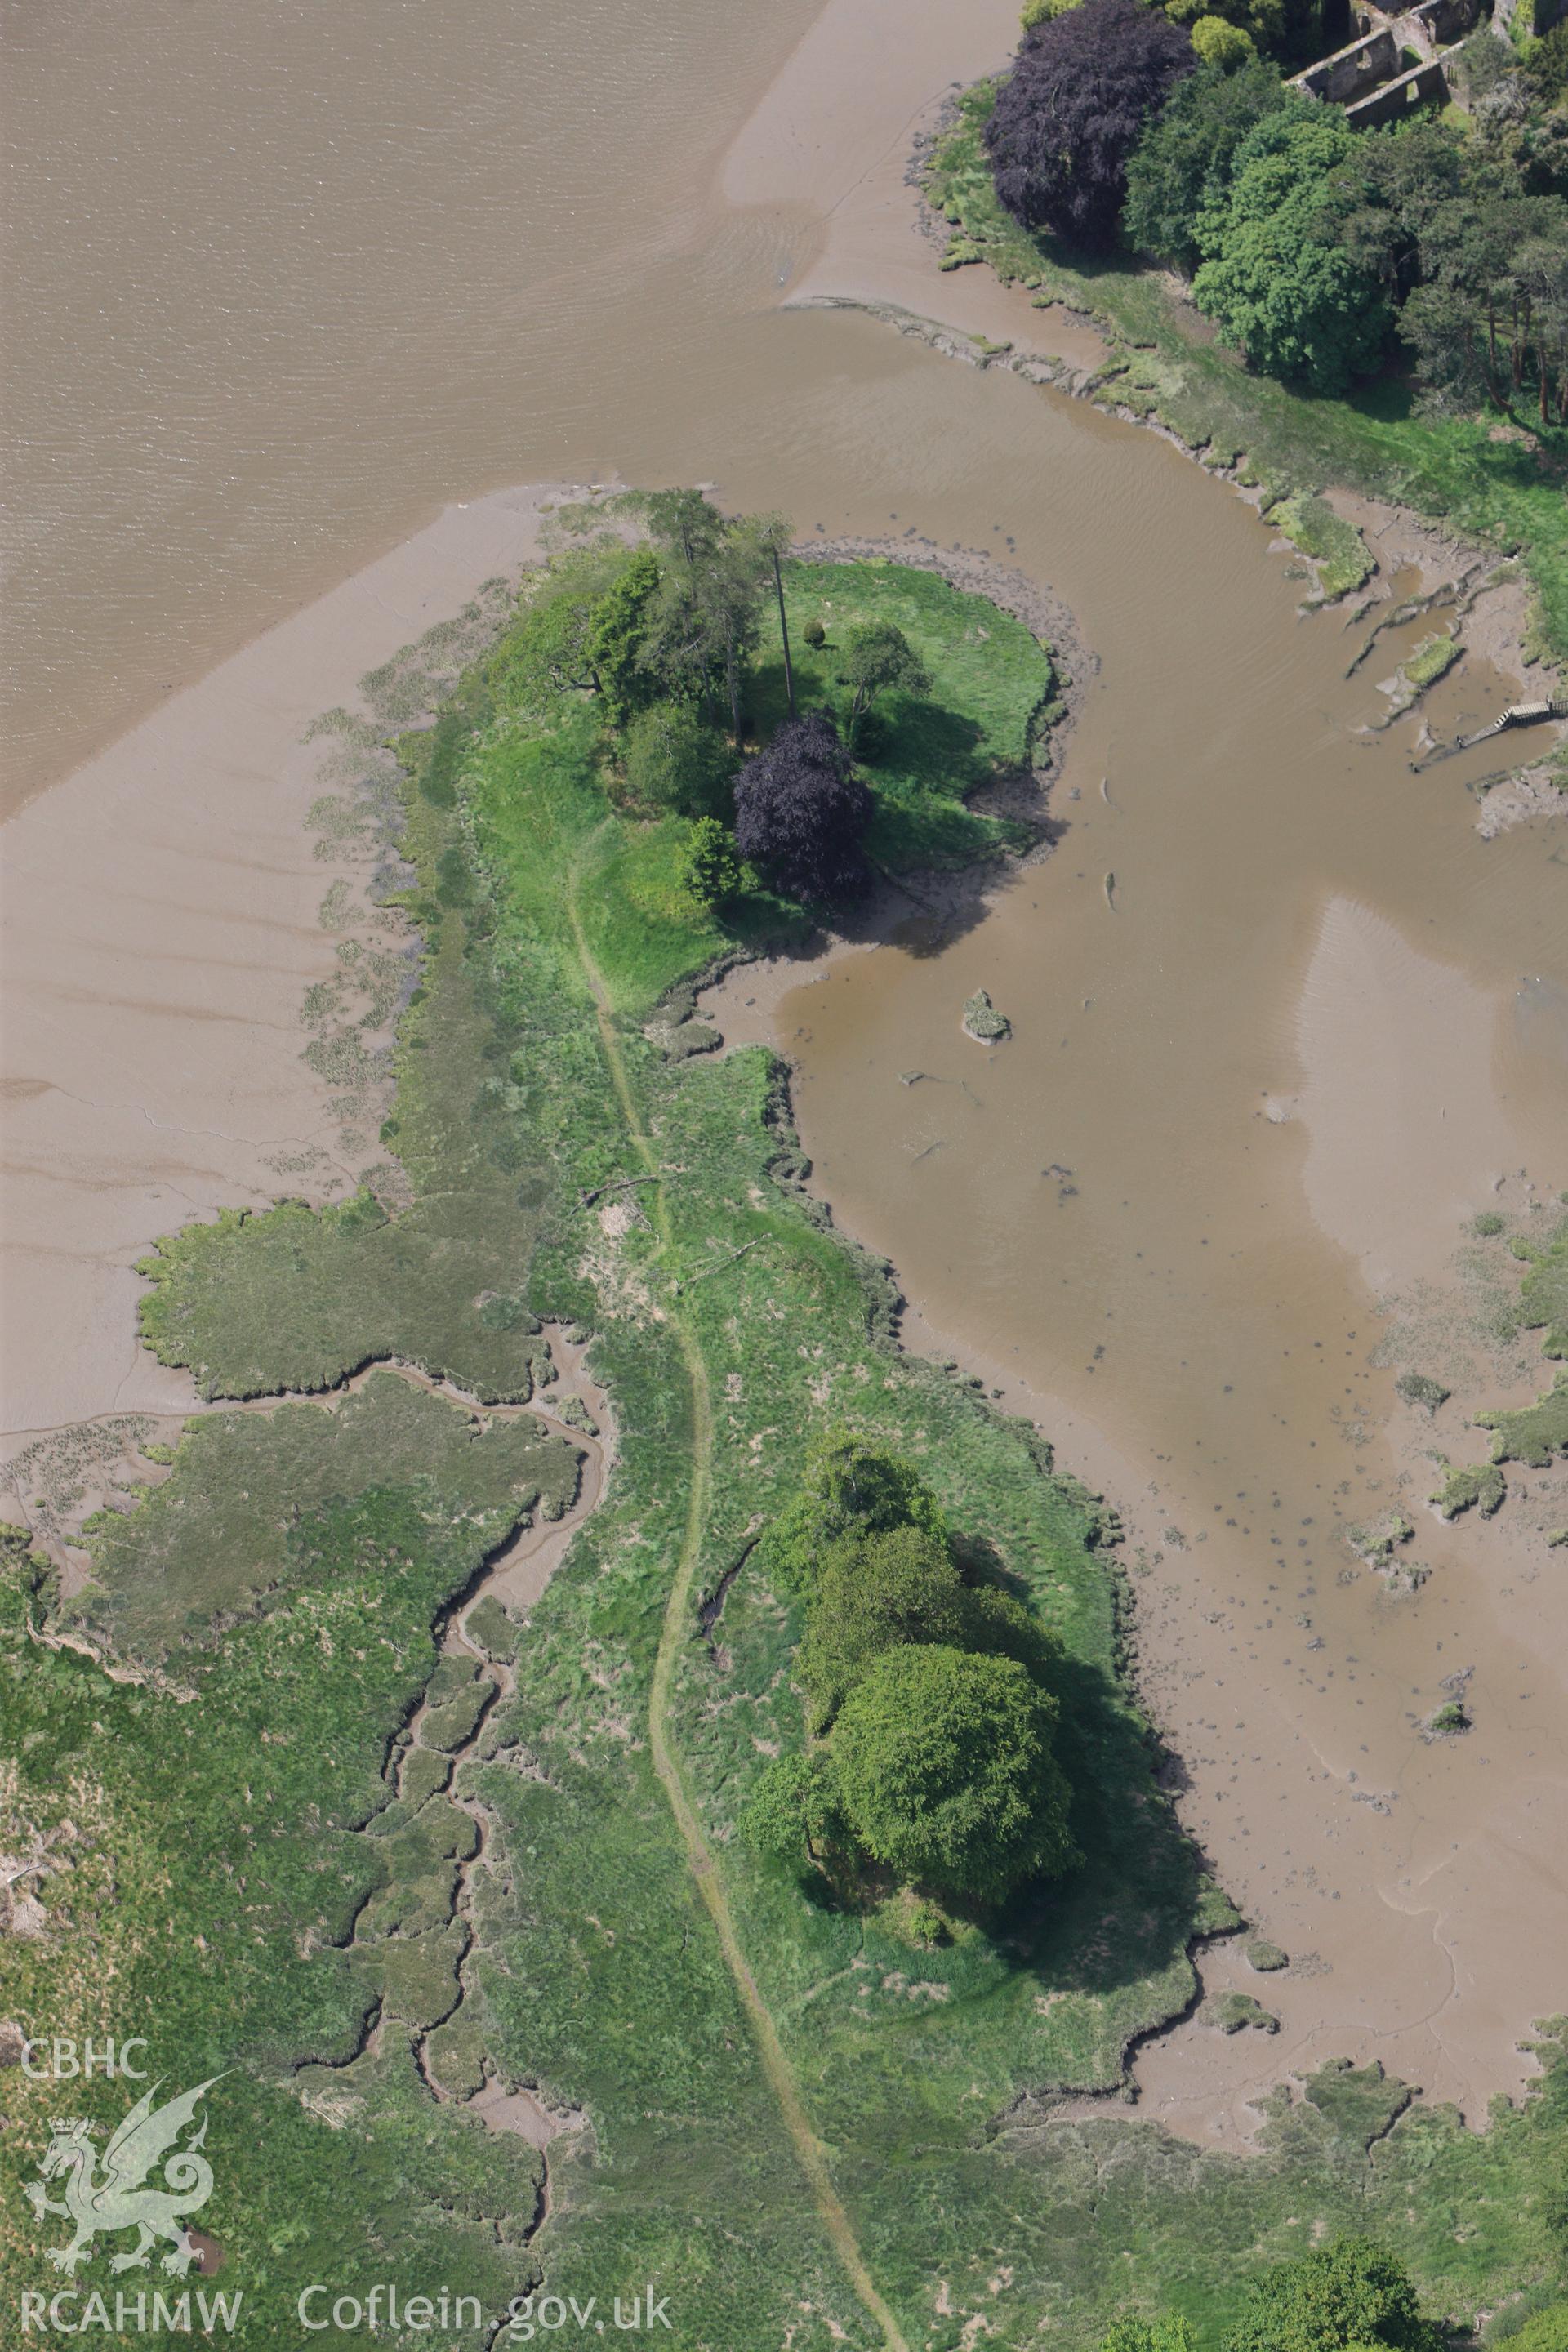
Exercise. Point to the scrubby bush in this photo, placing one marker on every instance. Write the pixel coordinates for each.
(1262, 21)
(674, 760)
(801, 813)
(1354, 2291)
(945, 1772)
(813, 633)
(793, 1814)
(1071, 111)
(879, 659)
(710, 870)
(926, 1926)
(1545, 2331)
(1134, 2335)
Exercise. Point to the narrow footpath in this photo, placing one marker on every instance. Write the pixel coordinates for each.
(699, 1855)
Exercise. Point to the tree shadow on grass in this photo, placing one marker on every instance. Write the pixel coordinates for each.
(931, 746)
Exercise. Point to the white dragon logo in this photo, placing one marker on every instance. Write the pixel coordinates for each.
(101, 2204)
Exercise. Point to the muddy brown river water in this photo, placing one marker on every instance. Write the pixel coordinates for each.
(286, 282)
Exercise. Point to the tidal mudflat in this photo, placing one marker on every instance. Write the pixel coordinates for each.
(1281, 1083)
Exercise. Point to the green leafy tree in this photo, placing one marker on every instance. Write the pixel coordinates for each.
(879, 659)
(871, 1593)
(1184, 157)
(1541, 275)
(674, 760)
(1516, 145)
(793, 1813)
(702, 624)
(1273, 279)
(1547, 64)
(1490, 306)
(1263, 22)
(1446, 334)
(851, 1485)
(683, 523)
(1377, 205)
(551, 648)
(712, 872)
(1217, 42)
(946, 1772)
(996, 1622)
(771, 535)
(619, 631)
(1353, 2292)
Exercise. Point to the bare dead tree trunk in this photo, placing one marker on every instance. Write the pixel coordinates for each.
(732, 677)
(783, 631)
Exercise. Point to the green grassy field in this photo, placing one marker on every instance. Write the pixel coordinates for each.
(802, 2129)
(992, 690)
(1167, 364)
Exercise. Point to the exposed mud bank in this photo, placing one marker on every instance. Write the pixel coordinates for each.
(1383, 1101)
(167, 910)
(1422, 571)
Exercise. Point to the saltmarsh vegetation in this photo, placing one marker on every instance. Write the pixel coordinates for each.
(810, 2110)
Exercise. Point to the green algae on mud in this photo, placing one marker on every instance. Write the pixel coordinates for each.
(933, 2087)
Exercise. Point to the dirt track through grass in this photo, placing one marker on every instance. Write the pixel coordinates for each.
(665, 1760)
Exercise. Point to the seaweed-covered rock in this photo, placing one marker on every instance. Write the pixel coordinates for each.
(1421, 1389)
(1480, 1486)
(1236, 2012)
(1375, 1540)
(1449, 1722)
(983, 1022)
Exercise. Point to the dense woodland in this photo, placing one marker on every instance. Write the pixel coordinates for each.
(1322, 252)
